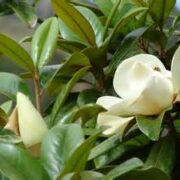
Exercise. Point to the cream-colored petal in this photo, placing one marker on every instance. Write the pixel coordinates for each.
(151, 61)
(155, 97)
(31, 125)
(175, 68)
(133, 72)
(108, 101)
(130, 78)
(114, 124)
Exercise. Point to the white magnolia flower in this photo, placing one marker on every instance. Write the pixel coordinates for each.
(144, 87)
(28, 122)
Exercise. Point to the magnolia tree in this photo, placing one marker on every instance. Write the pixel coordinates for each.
(113, 107)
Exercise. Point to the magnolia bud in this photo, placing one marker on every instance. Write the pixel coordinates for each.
(31, 124)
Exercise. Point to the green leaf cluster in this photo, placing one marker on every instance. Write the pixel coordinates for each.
(94, 36)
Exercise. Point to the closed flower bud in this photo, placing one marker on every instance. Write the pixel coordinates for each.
(32, 127)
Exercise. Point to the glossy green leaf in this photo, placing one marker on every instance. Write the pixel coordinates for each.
(157, 38)
(105, 146)
(74, 20)
(91, 175)
(47, 74)
(65, 92)
(120, 149)
(85, 112)
(124, 8)
(44, 42)
(123, 168)
(105, 6)
(160, 9)
(17, 164)
(159, 163)
(123, 21)
(11, 84)
(149, 174)
(25, 12)
(95, 23)
(69, 46)
(150, 126)
(88, 96)
(75, 62)
(78, 159)
(84, 3)
(64, 115)
(15, 52)
(97, 56)
(162, 155)
(68, 68)
(127, 48)
(69, 35)
(176, 22)
(84, 175)
(111, 16)
(58, 145)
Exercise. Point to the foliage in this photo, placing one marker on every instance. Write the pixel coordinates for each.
(97, 36)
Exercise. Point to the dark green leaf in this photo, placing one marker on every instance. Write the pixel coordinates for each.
(150, 174)
(177, 125)
(69, 35)
(91, 175)
(105, 6)
(84, 175)
(65, 92)
(159, 39)
(160, 9)
(123, 21)
(150, 126)
(64, 115)
(11, 84)
(78, 159)
(95, 23)
(16, 53)
(159, 163)
(25, 12)
(127, 48)
(105, 146)
(85, 112)
(74, 63)
(162, 155)
(58, 145)
(97, 56)
(74, 20)
(119, 150)
(44, 42)
(88, 96)
(123, 168)
(69, 46)
(68, 68)
(17, 164)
